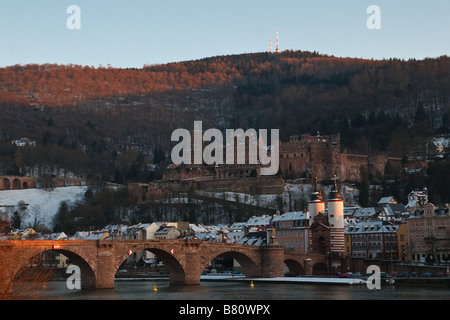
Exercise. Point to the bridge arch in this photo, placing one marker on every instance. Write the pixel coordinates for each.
(248, 263)
(295, 267)
(320, 268)
(20, 259)
(88, 276)
(177, 274)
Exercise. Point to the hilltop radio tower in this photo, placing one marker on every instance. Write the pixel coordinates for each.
(278, 49)
(270, 45)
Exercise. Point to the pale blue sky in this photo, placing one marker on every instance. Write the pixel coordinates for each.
(131, 33)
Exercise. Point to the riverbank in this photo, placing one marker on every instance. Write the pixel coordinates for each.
(299, 280)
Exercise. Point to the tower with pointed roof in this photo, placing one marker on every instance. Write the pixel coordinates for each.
(335, 204)
(316, 204)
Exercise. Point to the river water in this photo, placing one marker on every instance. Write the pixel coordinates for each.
(241, 290)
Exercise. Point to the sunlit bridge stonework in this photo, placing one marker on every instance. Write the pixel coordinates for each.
(185, 260)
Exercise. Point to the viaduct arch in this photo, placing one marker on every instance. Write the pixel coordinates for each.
(16, 183)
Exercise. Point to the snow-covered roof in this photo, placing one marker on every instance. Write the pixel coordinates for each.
(350, 221)
(364, 212)
(53, 236)
(164, 230)
(115, 228)
(207, 236)
(90, 235)
(259, 221)
(291, 216)
(386, 200)
(388, 211)
(350, 211)
(371, 227)
(411, 204)
(254, 238)
(197, 228)
(238, 226)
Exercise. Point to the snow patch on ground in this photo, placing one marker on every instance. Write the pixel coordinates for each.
(292, 192)
(42, 205)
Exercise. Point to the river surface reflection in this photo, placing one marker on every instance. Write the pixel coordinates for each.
(241, 290)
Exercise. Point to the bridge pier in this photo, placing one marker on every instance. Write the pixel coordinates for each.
(309, 264)
(104, 273)
(272, 261)
(193, 269)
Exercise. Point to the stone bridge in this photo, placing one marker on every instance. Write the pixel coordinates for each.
(185, 260)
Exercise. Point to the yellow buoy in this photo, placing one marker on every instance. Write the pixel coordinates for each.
(154, 288)
(251, 284)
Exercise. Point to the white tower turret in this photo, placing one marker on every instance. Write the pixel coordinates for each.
(336, 220)
(316, 203)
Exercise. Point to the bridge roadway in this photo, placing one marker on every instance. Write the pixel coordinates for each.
(184, 259)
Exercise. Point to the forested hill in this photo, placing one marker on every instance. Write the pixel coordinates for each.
(385, 105)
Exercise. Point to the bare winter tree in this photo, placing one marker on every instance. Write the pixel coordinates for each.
(21, 282)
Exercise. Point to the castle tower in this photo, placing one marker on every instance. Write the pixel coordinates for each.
(316, 203)
(336, 220)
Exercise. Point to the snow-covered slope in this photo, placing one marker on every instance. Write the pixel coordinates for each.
(42, 205)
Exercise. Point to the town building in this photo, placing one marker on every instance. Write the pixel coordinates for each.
(402, 241)
(429, 234)
(292, 230)
(167, 232)
(374, 239)
(22, 234)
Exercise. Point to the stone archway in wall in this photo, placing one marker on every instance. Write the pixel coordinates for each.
(295, 267)
(6, 184)
(177, 274)
(16, 184)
